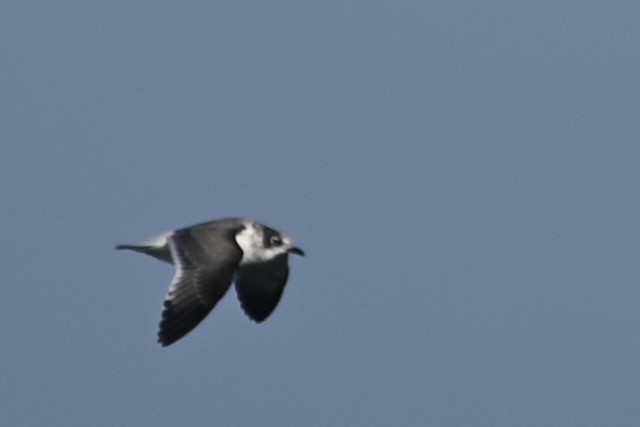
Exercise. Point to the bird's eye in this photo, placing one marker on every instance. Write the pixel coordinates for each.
(275, 240)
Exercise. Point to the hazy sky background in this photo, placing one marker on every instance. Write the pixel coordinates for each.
(464, 177)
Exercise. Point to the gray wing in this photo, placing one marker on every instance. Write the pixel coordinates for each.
(206, 258)
(260, 286)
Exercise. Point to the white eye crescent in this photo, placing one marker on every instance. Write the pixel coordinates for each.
(275, 240)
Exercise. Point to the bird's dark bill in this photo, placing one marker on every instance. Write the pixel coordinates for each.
(298, 251)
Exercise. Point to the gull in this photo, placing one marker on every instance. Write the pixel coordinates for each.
(209, 257)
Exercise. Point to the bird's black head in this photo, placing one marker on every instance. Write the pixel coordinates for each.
(274, 239)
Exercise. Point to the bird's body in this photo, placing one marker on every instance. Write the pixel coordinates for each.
(210, 256)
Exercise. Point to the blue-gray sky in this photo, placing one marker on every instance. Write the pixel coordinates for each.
(464, 177)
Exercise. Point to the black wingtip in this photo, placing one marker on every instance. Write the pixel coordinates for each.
(165, 340)
(174, 325)
(164, 343)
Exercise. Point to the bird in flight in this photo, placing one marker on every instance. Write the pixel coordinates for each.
(210, 256)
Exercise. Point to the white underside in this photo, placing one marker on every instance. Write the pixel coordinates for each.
(179, 268)
(158, 241)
